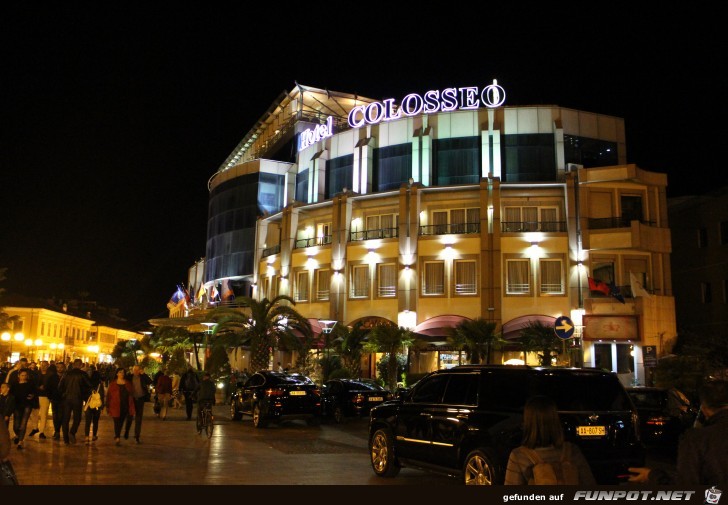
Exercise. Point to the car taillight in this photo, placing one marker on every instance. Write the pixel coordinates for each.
(658, 420)
(359, 398)
(274, 392)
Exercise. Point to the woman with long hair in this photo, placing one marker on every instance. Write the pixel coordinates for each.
(120, 402)
(543, 441)
(93, 414)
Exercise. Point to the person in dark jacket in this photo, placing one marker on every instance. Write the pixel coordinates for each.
(188, 385)
(701, 454)
(93, 414)
(75, 388)
(7, 402)
(50, 384)
(26, 399)
(140, 385)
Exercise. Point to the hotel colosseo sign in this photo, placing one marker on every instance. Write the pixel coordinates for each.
(310, 136)
(446, 100)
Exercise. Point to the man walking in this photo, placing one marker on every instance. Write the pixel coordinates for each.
(188, 385)
(140, 385)
(75, 388)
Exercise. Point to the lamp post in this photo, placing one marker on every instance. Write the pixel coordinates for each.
(37, 343)
(208, 332)
(18, 337)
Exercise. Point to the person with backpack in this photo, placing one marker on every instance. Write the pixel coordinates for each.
(188, 386)
(544, 458)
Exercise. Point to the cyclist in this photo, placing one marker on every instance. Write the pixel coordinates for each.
(205, 393)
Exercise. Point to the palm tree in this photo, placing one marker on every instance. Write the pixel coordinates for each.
(536, 337)
(269, 325)
(391, 340)
(350, 345)
(476, 337)
(172, 342)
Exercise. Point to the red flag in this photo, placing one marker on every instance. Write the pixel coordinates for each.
(601, 286)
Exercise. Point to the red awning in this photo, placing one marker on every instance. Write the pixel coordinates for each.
(436, 329)
(512, 329)
(318, 342)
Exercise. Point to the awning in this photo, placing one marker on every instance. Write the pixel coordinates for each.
(512, 329)
(318, 343)
(436, 329)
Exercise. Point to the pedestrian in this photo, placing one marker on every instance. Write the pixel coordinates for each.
(205, 394)
(188, 385)
(52, 379)
(175, 377)
(543, 435)
(7, 472)
(140, 382)
(44, 404)
(280, 367)
(120, 402)
(75, 388)
(163, 388)
(12, 375)
(93, 413)
(26, 399)
(701, 453)
(7, 402)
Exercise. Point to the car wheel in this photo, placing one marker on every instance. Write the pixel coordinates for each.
(258, 420)
(234, 414)
(479, 469)
(381, 450)
(339, 415)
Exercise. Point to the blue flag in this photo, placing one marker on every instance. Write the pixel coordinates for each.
(614, 291)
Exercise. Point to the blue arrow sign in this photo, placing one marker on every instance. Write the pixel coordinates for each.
(564, 327)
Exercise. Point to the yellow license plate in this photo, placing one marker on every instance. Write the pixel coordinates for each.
(591, 431)
(376, 399)
(297, 393)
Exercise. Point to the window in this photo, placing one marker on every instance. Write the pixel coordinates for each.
(465, 277)
(551, 276)
(392, 166)
(702, 237)
(465, 220)
(302, 186)
(604, 271)
(631, 208)
(382, 226)
(323, 233)
(323, 284)
(430, 390)
(529, 157)
(386, 280)
(456, 160)
(359, 281)
(339, 175)
(705, 292)
(462, 389)
(531, 218)
(433, 278)
(301, 292)
(518, 274)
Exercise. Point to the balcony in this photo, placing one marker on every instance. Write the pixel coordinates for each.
(355, 236)
(450, 229)
(526, 226)
(271, 250)
(313, 241)
(604, 223)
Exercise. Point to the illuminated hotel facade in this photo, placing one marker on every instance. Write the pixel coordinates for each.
(447, 205)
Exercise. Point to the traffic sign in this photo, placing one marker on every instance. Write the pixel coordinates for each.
(564, 327)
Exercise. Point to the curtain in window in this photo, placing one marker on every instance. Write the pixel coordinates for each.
(360, 281)
(388, 225)
(465, 282)
(473, 220)
(518, 276)
(387, 280)
(551, 276)
(512, 219)
(549, 220)
(302, 286)
(373, 227)
(530, 218)
(434, 281)
(323, 284)
(457, 221)
(439, 222)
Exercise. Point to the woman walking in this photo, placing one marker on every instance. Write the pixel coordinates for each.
(93, 414)
(26, 399)
(120, 402)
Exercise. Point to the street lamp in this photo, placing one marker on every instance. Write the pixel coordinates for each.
(37, 343)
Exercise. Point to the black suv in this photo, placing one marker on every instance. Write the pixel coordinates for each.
(277, 396)
(465, 421)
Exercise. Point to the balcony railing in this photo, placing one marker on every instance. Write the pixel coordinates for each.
(310, 242)
(450, 229)
(615, 222)
(355, 236)
(543, 226)
(271, 250)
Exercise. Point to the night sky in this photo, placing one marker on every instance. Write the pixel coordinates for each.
(114, 118)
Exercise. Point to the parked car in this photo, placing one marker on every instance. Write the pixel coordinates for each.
(269, 396)
(342, 398)
(464, 421)
(664, 415)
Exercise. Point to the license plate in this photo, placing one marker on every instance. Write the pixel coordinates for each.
(376, 399)
(297, 393)
(591, 431)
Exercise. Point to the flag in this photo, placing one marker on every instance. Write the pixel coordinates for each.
(177, 297)
(637, 288)
(614, 291)
(227, 290)
(201, 293)
(600, 286)
(188, 298)
(214, 293)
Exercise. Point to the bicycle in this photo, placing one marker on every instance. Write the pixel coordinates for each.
(205, 419)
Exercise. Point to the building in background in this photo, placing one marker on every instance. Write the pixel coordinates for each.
(48, 330)
(436, 207)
